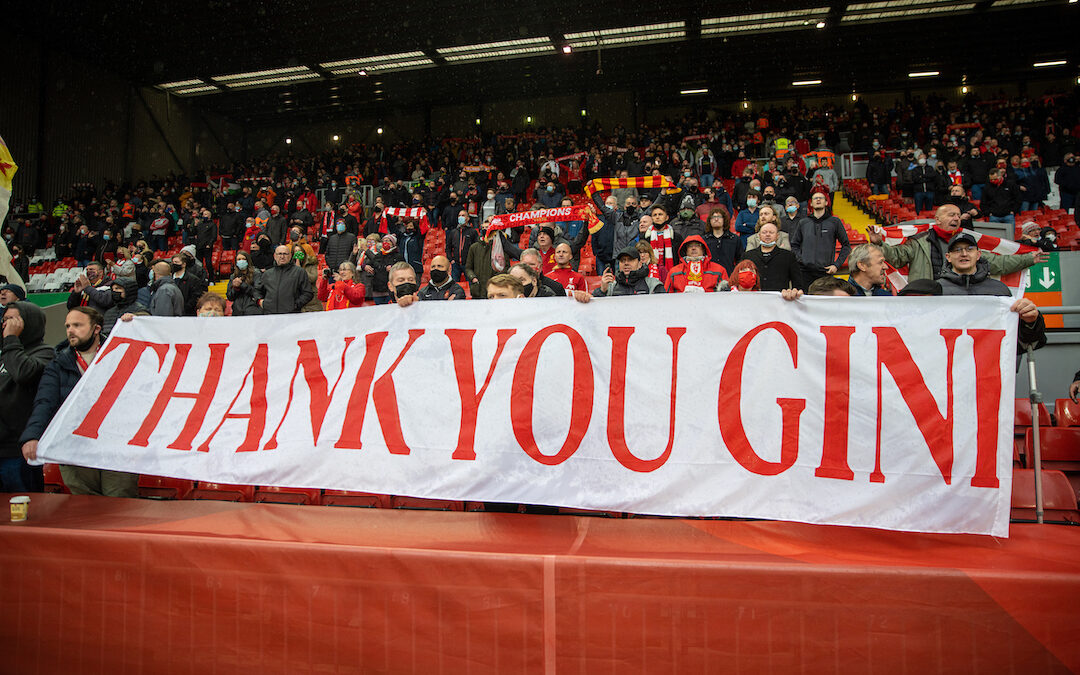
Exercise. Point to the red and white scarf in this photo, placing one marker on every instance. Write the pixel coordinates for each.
(660, 240)
(405, 212)
(560, 214)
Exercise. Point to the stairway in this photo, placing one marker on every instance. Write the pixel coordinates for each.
(853, 216)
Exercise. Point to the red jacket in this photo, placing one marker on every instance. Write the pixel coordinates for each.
(342, 294)
(704, 274)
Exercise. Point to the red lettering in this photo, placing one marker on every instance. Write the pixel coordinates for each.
(203, 398)
(834, 450)
(936, 430)
(616, 429)
(91, 424)
(256, 416)
(382, 391)
(730, 415)
(317, 385)
(521, 402)
(987, 401)
(461, 347)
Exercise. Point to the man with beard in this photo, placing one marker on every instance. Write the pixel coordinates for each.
(83, 327)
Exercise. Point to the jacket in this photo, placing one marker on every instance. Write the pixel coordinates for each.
(244, 298)
(23, 360)
(777, 271)
(338, 249)
(1000, 200)
(166, 299)
(478, 269)
(919, 256)
(57, 380)
(637, 282)
(284, 289)
(449, 289)
(704, 275)
(814, 241)
(341, 294)
(725, 250)
(131, 304)
(458, 241)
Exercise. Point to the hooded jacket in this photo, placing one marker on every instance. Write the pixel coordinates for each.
(22, 362)
(704, 275)
(130, 303)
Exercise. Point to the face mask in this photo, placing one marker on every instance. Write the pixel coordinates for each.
(294, 236)
(136, 260)
(439, 276)
(769, 197)
(491, 195)
(922, 161)
(631, 210)
(105, 237)
(751, 202)
(298, 255)
(407, 288)
(83, 346)
(792, 209)
(551, 188)
(876, 144)
(210, 312)
(333, 185)
(117, 297)
(686, 174)
(461, 220)
(527, 289)
(176, 267)
(768, 244)
(387, 247)
(241, 265)
(686, 214)
(340, 227)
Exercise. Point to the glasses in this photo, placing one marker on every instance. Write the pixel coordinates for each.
(964, 249)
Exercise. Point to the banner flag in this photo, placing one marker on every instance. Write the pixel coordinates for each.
(891, 413)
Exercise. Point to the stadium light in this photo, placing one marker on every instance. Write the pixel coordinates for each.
(820, 24)
(528, 119)
(688, 92)
(379, 131)
(1048, 64)
(477, 121)
(362, 72)
(336, 138)
(288, 141)
(566, 49)
(805, 83)
(964, 89)
(925, 73)
(584, 112)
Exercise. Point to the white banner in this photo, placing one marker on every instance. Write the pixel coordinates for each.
(888, 412)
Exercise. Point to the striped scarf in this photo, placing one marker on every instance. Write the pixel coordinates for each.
(660, 240)
(405, 212)
(604, 184)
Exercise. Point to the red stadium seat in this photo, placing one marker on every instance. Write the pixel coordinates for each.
(355, 499)
(1022, 414)
(1059, 500)
(54, 482)
(397, 502)
(224, 492)
(1067, 412)
(162, 487)
(288, 495)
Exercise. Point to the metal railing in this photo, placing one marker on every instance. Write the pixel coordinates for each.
(1036, 398)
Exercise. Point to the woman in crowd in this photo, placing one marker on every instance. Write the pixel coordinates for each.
(339, 290)
(380, 261)
(241, 289)
(745, 277)
(310, 265)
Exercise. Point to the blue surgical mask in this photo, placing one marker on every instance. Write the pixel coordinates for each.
(106, 237)
(751, 202)
(340, 227)
(551, 188)
(241, 264)
(461, 220)
(686, 173)
(792, 209)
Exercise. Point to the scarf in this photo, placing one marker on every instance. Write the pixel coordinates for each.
(530, 218)
(660, 240)
(405, 212)
(598, 184)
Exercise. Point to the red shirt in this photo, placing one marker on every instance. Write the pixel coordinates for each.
(547, 260)
(570, 280)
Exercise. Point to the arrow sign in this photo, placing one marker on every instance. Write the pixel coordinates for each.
(1046, 279)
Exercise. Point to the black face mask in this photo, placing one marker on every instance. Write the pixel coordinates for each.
(176, 267)
(407, 288)
(83, 346)
(117, 298)
(439, 276)
(294, 236)
(528, 289)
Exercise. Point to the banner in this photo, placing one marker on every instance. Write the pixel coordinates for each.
(891, 413)
(530, 218)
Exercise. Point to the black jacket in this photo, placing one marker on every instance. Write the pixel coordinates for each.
(130, 303)
(725, 250)
(458, 241)
(1000, 200)
(450, 289)
(244, 298)
(776, 270)
(637, 282)
(57, 381)
(284, 289)
(23, 360)
(339, 248)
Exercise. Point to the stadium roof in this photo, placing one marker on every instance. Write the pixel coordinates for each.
(261, 62)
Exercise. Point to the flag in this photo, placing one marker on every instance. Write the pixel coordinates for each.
(7, 173)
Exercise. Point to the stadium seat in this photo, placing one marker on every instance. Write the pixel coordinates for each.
(1059, 500)
(1022, 417)
(54, 482)
(398, 502)
(288, 495)
(1067, 413)
(162, 487)
(224, 492)
(355, 499)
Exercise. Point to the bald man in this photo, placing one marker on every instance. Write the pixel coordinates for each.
(441, 286)
(166, 298)
(924, 254)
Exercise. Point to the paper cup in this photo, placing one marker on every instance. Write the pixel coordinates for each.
(20, 508)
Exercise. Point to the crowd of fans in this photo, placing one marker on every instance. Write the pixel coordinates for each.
(749, 208)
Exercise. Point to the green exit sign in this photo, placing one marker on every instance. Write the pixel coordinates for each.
(1045, 277)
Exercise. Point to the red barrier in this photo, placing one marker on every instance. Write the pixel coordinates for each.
(127, 586)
